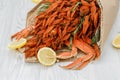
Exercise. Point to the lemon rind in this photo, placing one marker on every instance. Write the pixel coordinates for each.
(11, 46)
(113, 42)
(42, 62)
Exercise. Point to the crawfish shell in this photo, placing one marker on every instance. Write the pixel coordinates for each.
(104, 29)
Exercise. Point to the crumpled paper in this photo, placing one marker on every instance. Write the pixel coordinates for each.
(108, 15)
(110, 9)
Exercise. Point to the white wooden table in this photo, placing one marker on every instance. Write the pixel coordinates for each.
(12, 65)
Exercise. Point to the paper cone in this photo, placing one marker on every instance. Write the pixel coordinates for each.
(108, 15)
(110, 9)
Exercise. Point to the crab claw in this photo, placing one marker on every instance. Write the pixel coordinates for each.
(82, 65)
(84, 60)
(66, 55)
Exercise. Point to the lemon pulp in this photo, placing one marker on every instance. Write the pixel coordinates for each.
(116, 41)
(36, 1)
(17, 44)
(46, 56)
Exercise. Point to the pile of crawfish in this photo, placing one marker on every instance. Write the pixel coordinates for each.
(65, 23)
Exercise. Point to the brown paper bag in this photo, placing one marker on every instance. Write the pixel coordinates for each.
(109, 12)
(110, 9)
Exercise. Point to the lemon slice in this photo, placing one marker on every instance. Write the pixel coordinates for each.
(116, 41)
(36, 1)
(17, 44)
(46, 56)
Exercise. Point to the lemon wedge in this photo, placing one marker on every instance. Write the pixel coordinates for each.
(17, 44)
(46, 56)
(116, 41)
(36, 1)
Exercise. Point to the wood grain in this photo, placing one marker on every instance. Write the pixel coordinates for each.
(12, 65)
